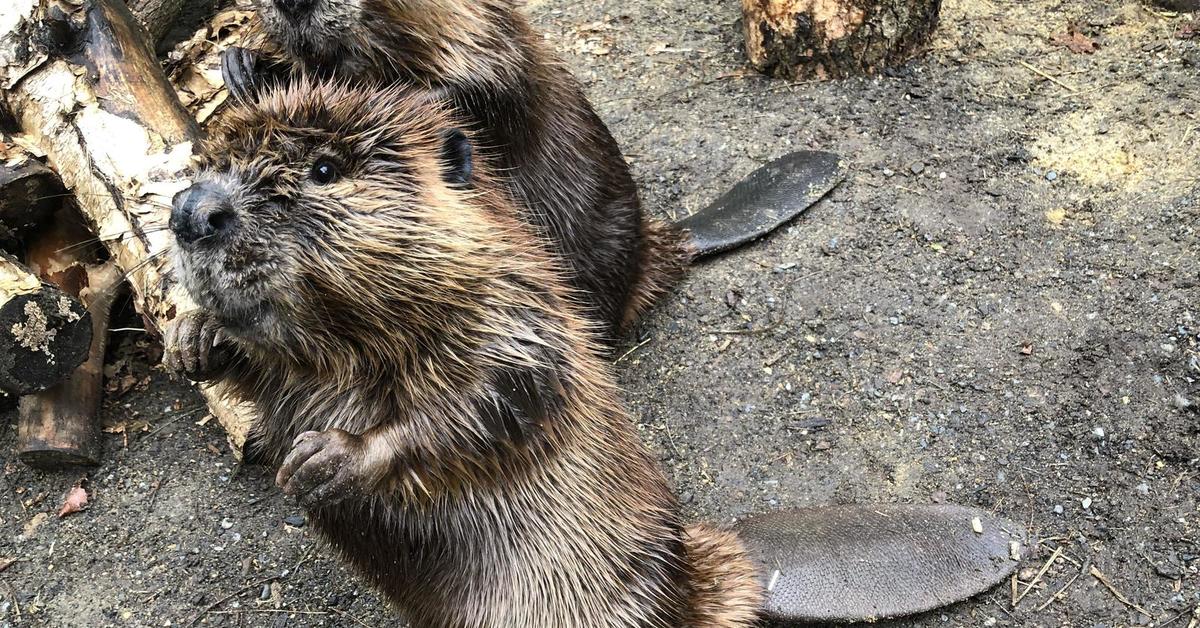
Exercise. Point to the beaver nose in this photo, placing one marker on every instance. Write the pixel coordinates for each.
(201, 212)
(294, 8)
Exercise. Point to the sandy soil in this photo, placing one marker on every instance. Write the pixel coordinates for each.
(998, 308)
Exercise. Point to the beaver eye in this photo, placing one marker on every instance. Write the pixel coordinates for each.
(324, 171)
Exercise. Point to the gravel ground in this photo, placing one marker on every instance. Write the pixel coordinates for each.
(998, 308)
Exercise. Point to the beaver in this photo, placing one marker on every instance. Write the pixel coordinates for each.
(432, 397)
(530, 115)
(526, 111)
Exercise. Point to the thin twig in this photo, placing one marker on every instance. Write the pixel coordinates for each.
(1096, 573)
(240, 591)
(348, 616)
(1038, 578)
(169, 423)
(635, 348)
(1046, 76)
(1058, 593)
(303, 559)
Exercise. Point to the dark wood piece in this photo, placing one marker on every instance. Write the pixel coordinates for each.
(29, 193)
(60, 427)
(44, 332)
(805, 39)
(1178, 5)
(156, 16)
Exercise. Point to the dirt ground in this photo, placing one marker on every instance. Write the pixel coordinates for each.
(1000, 307)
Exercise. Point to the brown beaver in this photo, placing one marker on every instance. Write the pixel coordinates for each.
(422, 381)
(527, 112)
(432, 398)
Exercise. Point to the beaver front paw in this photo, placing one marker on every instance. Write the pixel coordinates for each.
(324, 468)
(192, 347)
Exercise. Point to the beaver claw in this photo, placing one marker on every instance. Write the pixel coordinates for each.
(239, 69)
(323, 468)
(192, 347)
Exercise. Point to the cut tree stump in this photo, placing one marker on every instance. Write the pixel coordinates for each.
(29, 192)
(112, 127)
(44, 333)
(806, 39)
(59, 427)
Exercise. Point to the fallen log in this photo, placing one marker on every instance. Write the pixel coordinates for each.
(29, 192)
(804, 39)
(44, 333)
(84, 85)
(60, 427)
(156, 16)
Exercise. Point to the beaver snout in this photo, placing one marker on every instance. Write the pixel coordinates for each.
(202, 212)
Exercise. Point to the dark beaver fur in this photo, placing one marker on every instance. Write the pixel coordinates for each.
(530, 114)
(422, 380)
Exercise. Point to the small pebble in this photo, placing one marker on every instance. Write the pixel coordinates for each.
(977, 525)
(266, 592)
(1143, 489)
(917, 168)
(1087, 503)
(1058, 509)
(887, 172)
(296, 521)
(1098, 433)
(1051, 176)
(226, 524)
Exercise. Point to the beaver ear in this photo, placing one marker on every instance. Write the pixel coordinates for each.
(457, 158)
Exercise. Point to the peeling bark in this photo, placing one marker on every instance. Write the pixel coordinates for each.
(86, 87)
(804, 39)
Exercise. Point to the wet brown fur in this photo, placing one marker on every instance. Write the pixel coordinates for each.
(500, 483)
(564, 166)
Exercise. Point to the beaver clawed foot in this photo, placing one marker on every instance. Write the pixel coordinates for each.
(324, 468)
(239, 69)
(193, 347)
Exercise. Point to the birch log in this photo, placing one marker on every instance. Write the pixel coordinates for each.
(803, 39)
(83, 82)
(44, 333)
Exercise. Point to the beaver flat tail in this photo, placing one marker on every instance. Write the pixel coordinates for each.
(863, 563)
(726, 592)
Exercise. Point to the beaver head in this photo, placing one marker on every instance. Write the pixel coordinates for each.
(330, 221)
(428, 41)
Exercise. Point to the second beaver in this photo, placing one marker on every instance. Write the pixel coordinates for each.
(431, 397)
(531, 116)
(528, 112)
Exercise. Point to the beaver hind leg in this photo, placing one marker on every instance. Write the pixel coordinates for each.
(863, 563)
(763, 201)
